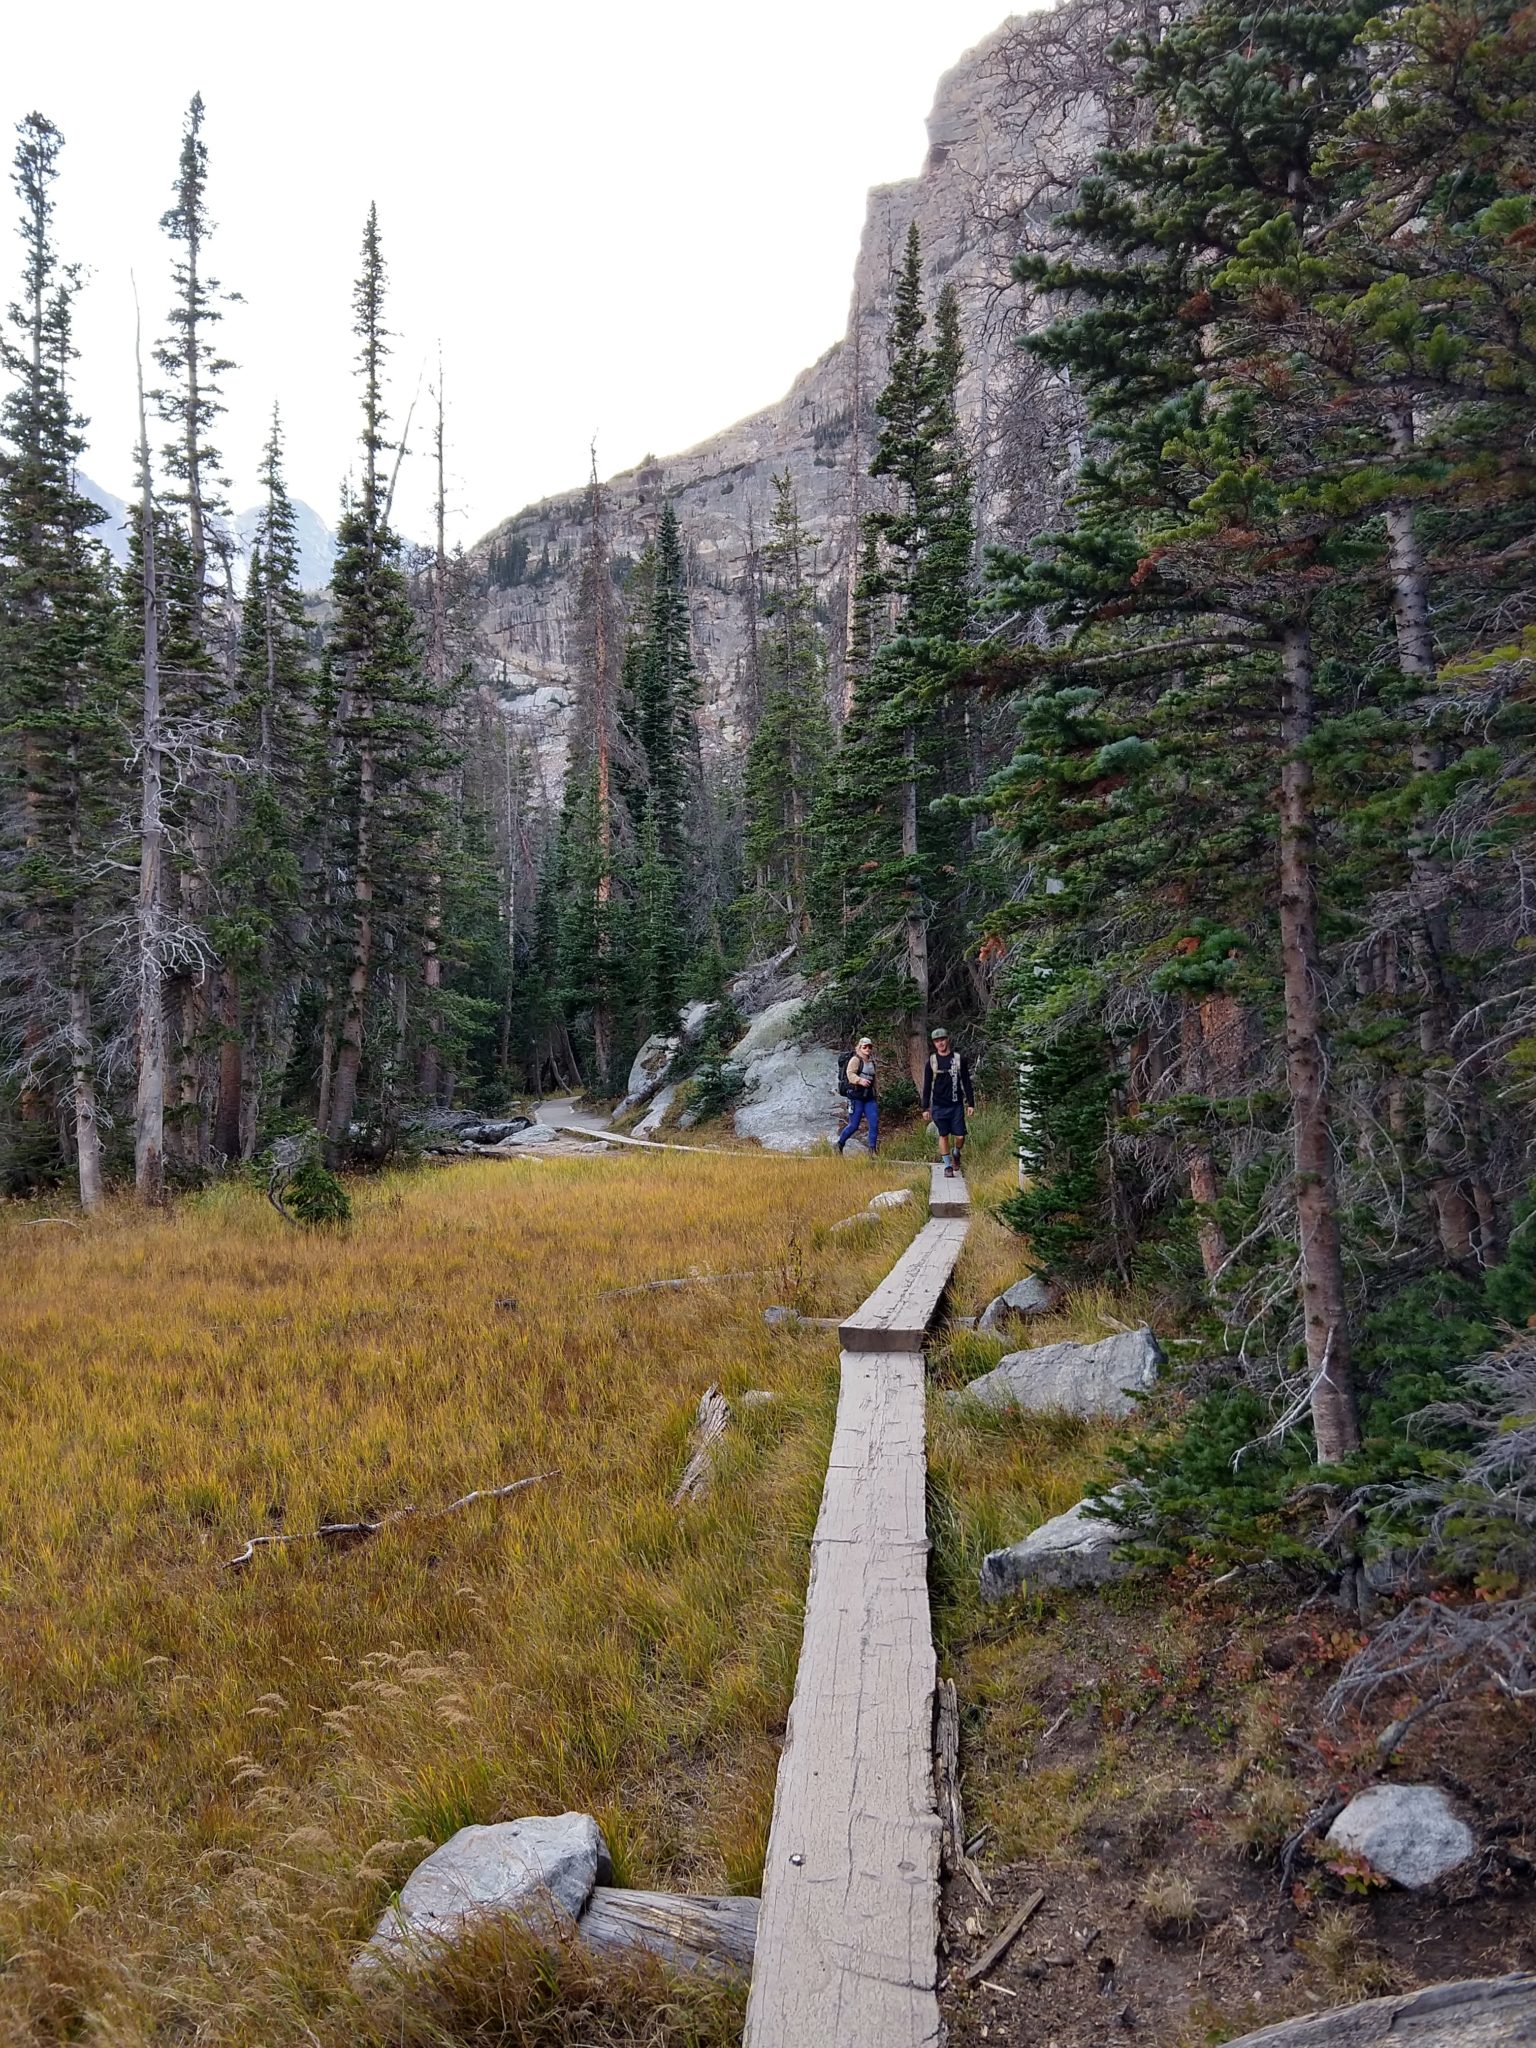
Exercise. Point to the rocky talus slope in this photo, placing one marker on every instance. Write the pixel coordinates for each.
(1013, 126)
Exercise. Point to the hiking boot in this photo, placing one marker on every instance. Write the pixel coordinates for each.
(949, 1173)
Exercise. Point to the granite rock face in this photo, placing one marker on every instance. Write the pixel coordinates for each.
(1014, 124)
(1410, 1833)
(1082, 1379)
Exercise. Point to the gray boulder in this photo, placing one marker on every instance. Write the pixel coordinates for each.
(1410, 1833)
(778, 1317)
(1070, 1550)
(893, 1198)
(1082, 1379)
(766, 982)
(493, 1132)
(540, 1870)
(1027, 1297)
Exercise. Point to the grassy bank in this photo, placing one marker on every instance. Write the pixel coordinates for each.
(212, 1779)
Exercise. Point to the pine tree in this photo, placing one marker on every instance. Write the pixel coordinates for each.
(787, 760)
(59, 694)
(891, 858)
(256, 930)
(389, 750)
(666, 694)
(1188, 523)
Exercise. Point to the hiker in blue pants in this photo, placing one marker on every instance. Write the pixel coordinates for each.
(859, 1087)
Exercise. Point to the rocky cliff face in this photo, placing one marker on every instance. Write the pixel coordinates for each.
(1013, 126)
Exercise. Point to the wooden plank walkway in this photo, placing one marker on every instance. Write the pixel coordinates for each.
(847, 1942)
(896, 1316)
(948, 1197)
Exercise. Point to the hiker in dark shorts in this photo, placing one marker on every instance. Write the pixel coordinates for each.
(859, 1087)
(947, 1093)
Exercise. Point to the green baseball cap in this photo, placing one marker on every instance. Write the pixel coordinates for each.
(939, 1031)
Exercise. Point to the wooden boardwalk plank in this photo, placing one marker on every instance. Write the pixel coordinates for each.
(948, 1197)
(897, 1315)
(848, 1932)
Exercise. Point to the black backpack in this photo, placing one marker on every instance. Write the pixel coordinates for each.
(843, 1087)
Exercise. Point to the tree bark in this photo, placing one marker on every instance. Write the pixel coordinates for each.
(349, 1053)
(916, 923)
(1457, 1192)
(83, 1076)
(226, 1135)
(1204, 1182)
(1324, 1314)
(149, 1105)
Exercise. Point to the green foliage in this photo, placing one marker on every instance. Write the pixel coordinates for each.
(316, 1197)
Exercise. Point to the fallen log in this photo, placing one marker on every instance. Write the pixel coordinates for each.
(716, 1934)
(346, 1535)
(709, 1426)
(953, 1861)
(1483, 2012)
(613, 1138)
(686, 1280)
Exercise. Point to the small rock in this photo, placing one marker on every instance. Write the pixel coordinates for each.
(1027, 1297)
(778, 1317)
(893, 1198)
(1074, 1549)
(757, 1397)
(865, 1220)
(1410, 1833)
(534, 1869)
(1082, 1379)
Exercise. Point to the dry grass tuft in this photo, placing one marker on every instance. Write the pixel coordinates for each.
(1343, 1955)
(212, 1780)
(1264, 1818)
(1169, 1908)
(500, 1988)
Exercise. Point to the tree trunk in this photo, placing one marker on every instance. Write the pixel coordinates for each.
(1326, 1324)
(916, 922)
(226, 1135)
(83, 1076)
(1204, 1184)
(349, 1054)
(149, 1105)
(1456, 1192)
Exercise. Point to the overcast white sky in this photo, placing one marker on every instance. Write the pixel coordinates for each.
(631, 220)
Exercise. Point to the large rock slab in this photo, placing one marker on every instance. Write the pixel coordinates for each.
(1100, 1379)
(661, 1102)
(1410, 1833)
(1071, 1550)
(541, 1870)
(1483, 2012)
(1027, 1297)
(789, 1096)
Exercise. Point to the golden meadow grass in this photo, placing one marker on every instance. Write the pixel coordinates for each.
(210, 1781)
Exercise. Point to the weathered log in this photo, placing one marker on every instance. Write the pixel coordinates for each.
(1483, 2012)
(708, 1427)
(953, 1860)
(716, 1934)
(346, 1535)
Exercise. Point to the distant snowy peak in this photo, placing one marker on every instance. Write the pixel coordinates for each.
(317, 543)
(113, 530)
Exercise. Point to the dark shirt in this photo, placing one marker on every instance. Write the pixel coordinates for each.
(946, 1079)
